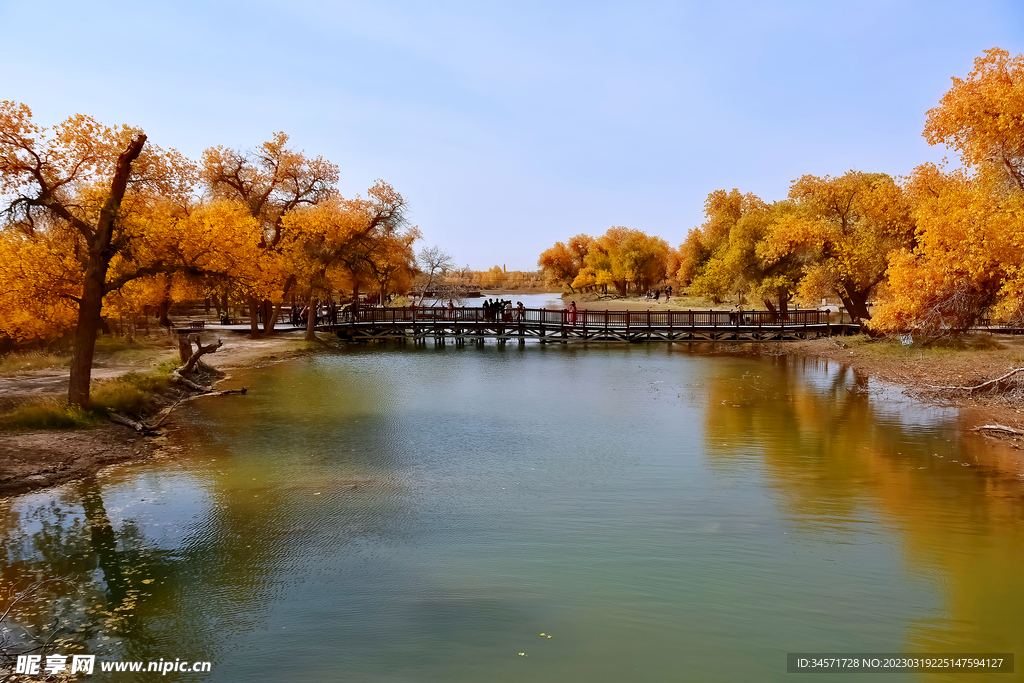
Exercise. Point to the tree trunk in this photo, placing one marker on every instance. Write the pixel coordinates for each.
(859, 300)
(266, 311)
(275, 315)
(311, 319)
(91, 303)
(165, 304)
(85, 333)
(771, 308)
(856, 305)
(200, 351)
(184, 347)
(254, 320)
(783, 303)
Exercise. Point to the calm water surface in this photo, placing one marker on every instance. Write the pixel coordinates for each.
(426, 513)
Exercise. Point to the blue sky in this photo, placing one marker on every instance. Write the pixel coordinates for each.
(508, 126)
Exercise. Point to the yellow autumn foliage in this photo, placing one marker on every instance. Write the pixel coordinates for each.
(96, 221)
(966, 263)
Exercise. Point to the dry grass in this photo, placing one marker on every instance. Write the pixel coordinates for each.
(110, 349)
(28, 361)
(950, 350)
(129, 393)
(47, 413)
(114, 349)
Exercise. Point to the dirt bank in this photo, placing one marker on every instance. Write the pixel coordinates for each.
(32, 460)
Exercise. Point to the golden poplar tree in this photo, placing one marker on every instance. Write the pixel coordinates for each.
(562, 263)
(81, 194)
(845, 231)
(269, 181)
(967, 259)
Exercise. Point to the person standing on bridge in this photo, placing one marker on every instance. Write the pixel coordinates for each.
(572, 313)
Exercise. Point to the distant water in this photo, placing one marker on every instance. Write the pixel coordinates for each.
(427, 513)
(545, 300)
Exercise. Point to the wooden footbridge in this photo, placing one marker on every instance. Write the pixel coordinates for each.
(565, 326)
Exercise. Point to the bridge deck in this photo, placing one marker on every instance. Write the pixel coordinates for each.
(554, 326)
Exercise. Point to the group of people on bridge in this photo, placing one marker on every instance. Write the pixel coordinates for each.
(656, 294)
(496, 310)
(324, 312)
(502, 310)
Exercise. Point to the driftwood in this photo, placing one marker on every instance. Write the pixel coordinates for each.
(142, 426)
(998, 428)
(125, 420)
(979, 386)
(200, 351)
(179, 376)
(227, 392)
(163, 415)
(193, 360)
(180, 379)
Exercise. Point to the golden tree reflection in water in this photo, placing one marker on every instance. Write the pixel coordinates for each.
(838, 453)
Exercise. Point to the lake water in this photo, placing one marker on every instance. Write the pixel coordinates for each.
(663, 512)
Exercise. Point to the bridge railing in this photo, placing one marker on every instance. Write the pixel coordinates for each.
(590, 319)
